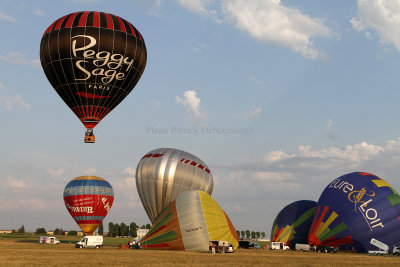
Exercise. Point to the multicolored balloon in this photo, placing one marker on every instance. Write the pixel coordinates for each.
(355, 208)
(293, 223)
(189, 223)
(88, 199)
(93, 60)
(164, 173)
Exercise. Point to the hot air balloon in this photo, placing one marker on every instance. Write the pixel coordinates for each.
(190, 223)
(293, 223)
(164, 173)
(88, 199)
(93, 60)
(355, 208)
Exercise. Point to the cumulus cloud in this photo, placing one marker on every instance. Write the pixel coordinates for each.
(16, 101)
(254, 112)
(8, 18)
(192, 104)
(383, 17)
(20, 59)
(271, 22)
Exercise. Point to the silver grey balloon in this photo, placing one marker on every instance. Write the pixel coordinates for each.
(164, 173)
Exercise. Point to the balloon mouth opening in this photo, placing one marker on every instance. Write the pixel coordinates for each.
(90, 123)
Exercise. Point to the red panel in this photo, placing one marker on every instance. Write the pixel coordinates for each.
(121, 24)
(207, 170)
(59, 22)
(110, 24)
(49, 28)
(96, 19)
(82, 21)
(87, 205)
(200, 166)
(70, 20)
(193, 163)
(132, 30)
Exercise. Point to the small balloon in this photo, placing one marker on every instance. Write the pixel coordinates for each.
(88, 199)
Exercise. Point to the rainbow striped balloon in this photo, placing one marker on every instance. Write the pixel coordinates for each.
(88, 199)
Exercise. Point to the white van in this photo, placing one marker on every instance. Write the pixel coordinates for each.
(279, 245)
(49, 240)
(91, 241)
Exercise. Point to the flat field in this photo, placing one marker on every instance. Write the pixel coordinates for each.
(18, 252)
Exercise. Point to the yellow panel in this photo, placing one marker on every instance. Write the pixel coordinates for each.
(88, 229)
(216, 220)
(88, 178)
(323, 226)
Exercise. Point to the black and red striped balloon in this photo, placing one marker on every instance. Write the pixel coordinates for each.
(93, 60)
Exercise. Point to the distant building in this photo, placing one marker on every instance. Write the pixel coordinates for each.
(50, 232)
(5, 231)
(141, 232)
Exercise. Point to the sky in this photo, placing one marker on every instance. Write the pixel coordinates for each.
(279, 98)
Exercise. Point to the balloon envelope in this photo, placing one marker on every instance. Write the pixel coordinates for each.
(88, 199)
(189, 223)
(164, 173)
(355, 208)
(293, 223)
(93, 60)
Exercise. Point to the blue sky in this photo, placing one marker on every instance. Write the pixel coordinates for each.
(277, 97)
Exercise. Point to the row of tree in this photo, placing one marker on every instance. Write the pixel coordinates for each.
(123, 229)
(250, 234)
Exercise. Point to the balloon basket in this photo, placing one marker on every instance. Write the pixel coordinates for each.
(89, 138)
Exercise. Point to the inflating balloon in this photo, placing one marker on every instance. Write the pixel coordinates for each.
(355, 208)
(189, 223)
(88, 199)
(164, 173)
(93, 60)
(293, 222)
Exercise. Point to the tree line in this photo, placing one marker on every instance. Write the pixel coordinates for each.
(123, 229)
(247, 234)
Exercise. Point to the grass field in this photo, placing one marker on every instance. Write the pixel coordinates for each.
(27, 251)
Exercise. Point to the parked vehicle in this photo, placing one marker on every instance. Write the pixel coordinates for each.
(383, 248)
(92, 241)
(230, 248)
(303, 247)
(326, 249)
(254, 245)
(396, 251)
(49, 240)
(279, 245)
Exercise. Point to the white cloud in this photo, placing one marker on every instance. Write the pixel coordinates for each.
(271, 22)
(329, 124)
(254, 80)
(30, 203)
(131, 171)
(8, 18)
(254, 112)
(192, 104)
(16, 100)
(197, 6)
(20, 59)
(90, 171)
(38, 12)
(14, 183)
(277, 156)
(56, 172)
(383, 17)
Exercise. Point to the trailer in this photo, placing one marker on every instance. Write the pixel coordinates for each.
(303, 247)
(383, 248)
